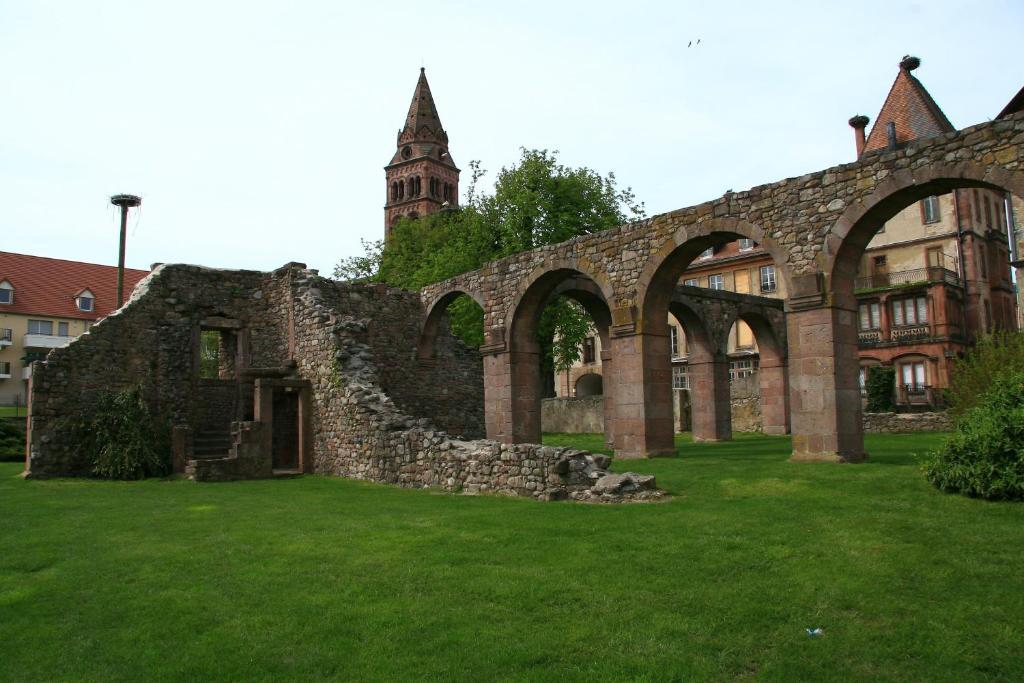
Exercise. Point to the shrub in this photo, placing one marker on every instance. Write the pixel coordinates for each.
(984, 457)
(12, 442)
(993, 356)
(879, 385)
(123, 438)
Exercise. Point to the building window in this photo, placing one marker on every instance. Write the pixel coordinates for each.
(84, 301)
(707, 253)
(738, 369)
(930, 209)
(911, 311)
(40, 327)
(680, 378)
(716, 281)
(880, 261)
(588, 350)
(673, 338)
(6, 293)
(768, 278)
(692, 282)
(870, 316)
(912, 375)
(62, 329)
(746, 244)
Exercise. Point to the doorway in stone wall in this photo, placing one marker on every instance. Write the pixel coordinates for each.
(285, 440)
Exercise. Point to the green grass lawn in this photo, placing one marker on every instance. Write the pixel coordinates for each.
(11, 411)
(321, 577)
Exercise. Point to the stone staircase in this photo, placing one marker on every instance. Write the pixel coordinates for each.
(211, 443)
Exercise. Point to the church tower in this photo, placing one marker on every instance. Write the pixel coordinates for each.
(422, 177)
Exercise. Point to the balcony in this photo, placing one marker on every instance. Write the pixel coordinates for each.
(911, 333)
(6, 336)
(904, 278)
(26, 372)
(869, 337)
(46, 341)
(897, 335)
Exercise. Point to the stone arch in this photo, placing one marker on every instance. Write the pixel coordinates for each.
(550, 275)
(589, 384)
(662, 270)
(578, 279)
(708, 370)
(426, 347)
(861, 221)
(773, 376)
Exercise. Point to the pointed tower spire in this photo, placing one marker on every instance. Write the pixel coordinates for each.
(422, 124)
(422, 177)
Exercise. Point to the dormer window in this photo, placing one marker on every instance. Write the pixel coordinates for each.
(85, 301)
(6, 292)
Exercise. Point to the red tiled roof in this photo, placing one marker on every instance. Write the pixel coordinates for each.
(912, 109)
(48, 286)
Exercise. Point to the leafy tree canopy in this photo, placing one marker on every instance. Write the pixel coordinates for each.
(535, 202)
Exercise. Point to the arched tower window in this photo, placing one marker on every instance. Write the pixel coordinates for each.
(401, 189)
(394, 191)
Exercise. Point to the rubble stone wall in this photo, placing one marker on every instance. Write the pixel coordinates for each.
(149, 342)
(890, 423)
(376, 411)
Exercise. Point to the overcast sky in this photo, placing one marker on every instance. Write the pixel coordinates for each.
(256, 132)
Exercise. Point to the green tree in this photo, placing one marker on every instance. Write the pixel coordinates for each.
(535, 202)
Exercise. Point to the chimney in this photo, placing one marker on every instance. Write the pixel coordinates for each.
(859, 123)
(890, 131)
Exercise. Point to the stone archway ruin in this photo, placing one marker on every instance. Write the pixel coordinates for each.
(810, 225)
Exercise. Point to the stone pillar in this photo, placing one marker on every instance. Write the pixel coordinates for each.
(643, 396)
(512, 387)
(823, 385)
(608, 389)
(774, 388)
(710, 405)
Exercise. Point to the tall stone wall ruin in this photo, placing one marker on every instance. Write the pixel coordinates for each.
(374, 410)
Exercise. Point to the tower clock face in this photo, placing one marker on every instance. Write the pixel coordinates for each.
(406, 152)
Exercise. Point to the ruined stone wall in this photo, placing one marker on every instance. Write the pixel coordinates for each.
(360, 432)
(449, 391)
(892, 423)
(375, 410)
(573, 415)
(150, 342)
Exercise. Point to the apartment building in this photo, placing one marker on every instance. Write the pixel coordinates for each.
(46, 303)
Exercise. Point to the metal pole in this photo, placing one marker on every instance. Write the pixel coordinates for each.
(125, 201)
(120, 255)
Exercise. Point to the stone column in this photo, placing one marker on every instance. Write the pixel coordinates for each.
(512, 389)
(608, 389)
(823, 386)
(643, 395)
(774, 388)
(710, 406)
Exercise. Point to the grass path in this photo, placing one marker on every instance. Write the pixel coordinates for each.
(320, 577)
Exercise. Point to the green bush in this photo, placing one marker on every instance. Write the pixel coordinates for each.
(879, 385)
(995, 355)
(12, 442)
(123, 438)
(984, 457)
